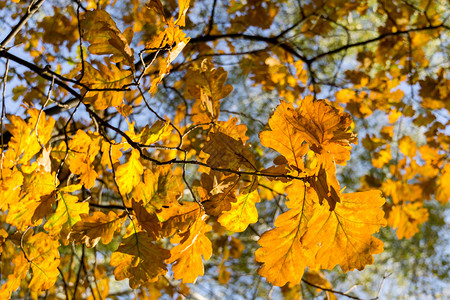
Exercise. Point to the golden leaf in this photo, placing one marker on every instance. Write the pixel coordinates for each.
(102, 33)
(406, 218)
(148, 221)
(128, 175)
(90, 229)
(217, 192)
(242, 213)
(226, 152)
(283, 136)
(282, 252)
(139, 259)
(345, 234)
(67, 213)
(107, 77)
(187, 255)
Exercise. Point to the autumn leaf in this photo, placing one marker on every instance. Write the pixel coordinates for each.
(183, 6)
(128, 175)
(173, 38)
(350, 227)
(40, 254)
(242, 213)
(406, 218)
(27, 138)
(148, 221)
(84, 147)
(108, 80)
(159, 187)
(207, 85)
(90, 229)
(282, 252)
(226, 152)
(67, 213)
(217, 192)
(36, 196)
(139, 259)
(105, 38)
(318, 279)
(187, 255)
(284, 137)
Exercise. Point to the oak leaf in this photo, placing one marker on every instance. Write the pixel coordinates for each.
(159, 187)
(187, 255)
(226, 152)
(345, 234)
(139, 259)
(282, 252)
(90, 229)
(128, 175)
(148, 221)
(284, 137)
(217, 192)
(108, 80)
(68, 212)
(242, 213)
(105, 38)
(40, 254)
(83, 149)
(406, 218)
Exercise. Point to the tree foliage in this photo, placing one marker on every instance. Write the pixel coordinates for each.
(175, 142)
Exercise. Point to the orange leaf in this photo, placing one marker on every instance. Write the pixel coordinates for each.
(226, 152)
(40, 253)
(84, 147)
(102, 33)
(105, 77)
(217, 192)
(284, 137)
(128, 175)
(188, 254)
(345, 234)
(139, 259)
(67, 213)
(93, 228)
(406, 218)
(148, 221)
(282, 250)
(242, 213)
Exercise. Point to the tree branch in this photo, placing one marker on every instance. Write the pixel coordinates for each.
(33, 8)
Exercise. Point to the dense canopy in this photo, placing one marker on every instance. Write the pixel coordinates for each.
(216, 149)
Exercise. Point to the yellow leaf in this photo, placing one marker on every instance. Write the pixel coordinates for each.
(406, 218)
(217, 192)
(226, 152)
(242, 213)
(183, 6)
(148, 221)
(128, 175)
(282, 250)
(101, 32)
(159, 130)
(283, 136)
(40, 253)
(139, 260)
(67, 213)
(159, 187)
(443, 188)
(157, 6)
(90, 229)
(188, 254)
(345, 234)
(83, 149)
(105, 77)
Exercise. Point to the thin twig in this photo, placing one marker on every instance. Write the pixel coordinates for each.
(32, 9)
